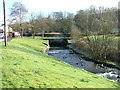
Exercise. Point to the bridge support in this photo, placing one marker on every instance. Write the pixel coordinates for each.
(58, 42)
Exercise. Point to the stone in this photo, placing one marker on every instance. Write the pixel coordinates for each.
(118, 76)
(71, 52)
(76, 63)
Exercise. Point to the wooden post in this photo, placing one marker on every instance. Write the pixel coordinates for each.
(5, 23)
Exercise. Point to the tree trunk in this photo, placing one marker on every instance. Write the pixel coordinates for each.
(33, 35)
(21, 33)
(43, 33)
(21, 30)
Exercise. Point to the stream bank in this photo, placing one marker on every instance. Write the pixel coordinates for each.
(89, 58)
(69, 56)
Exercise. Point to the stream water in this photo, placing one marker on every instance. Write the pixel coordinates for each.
(68, 56)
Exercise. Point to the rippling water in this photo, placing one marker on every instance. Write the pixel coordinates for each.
(68, 56)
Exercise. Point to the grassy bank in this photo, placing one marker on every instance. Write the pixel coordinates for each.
(24, 65)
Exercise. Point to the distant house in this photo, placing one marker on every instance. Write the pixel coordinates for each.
(9, 30)
(15, 34)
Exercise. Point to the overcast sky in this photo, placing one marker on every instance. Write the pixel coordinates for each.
(48, 6)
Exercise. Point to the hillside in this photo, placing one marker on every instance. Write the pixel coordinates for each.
(24, 65)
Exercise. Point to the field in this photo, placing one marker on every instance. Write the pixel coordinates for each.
(24, 65)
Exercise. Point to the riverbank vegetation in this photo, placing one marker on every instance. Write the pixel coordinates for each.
(96, 33)
(24, 65)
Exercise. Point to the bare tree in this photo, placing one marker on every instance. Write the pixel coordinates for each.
(34, 24)
(101, 22)
(98, 25)
(38, 23)
(44, 24)
(18, 12)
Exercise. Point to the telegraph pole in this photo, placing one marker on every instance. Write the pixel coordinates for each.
(5, 23)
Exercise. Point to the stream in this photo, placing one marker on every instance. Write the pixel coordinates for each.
(70, 57)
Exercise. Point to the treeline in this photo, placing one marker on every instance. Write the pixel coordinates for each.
(56, 22)
(98, 20)
(98, 26)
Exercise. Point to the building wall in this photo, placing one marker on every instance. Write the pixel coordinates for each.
(8, 30)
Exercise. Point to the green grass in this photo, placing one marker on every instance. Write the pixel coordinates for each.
(114, 40)
(24, 65)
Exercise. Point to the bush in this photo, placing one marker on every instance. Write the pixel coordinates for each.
(113, 54)
(101, 47)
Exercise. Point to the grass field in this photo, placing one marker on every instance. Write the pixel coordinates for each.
(114, 40)
(24, 65)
